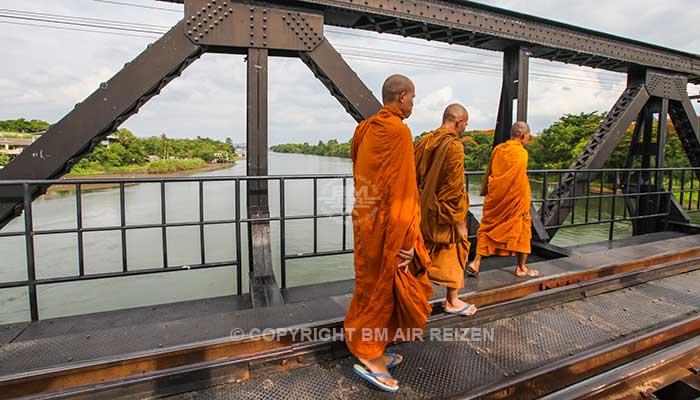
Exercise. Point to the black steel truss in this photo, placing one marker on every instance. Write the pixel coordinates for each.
(477, 25)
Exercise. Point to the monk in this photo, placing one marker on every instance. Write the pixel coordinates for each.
(506, 221)
(390, 302)
(444, 205)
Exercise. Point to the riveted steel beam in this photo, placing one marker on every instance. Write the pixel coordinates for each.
(252, 24)
(504, 28)
(343, 83)
(76, 134)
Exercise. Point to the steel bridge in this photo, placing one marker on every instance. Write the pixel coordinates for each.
(605, 319)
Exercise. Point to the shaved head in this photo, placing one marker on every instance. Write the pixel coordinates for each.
(519, 129)
(394, 86)
(455, 112)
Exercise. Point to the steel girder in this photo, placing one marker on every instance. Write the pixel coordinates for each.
(647, 91)
(343, 83)
(477, 25)
(76, 134)
(596, 153)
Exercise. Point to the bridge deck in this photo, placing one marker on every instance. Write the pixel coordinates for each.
(63, 342)
(471, 367)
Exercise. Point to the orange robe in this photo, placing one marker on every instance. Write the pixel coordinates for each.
(449, 205)
(388, 304)
(505, 225)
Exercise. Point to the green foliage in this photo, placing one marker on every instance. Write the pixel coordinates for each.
(23, 126)
(477, 149)
(168, 166)
(331, 149)
(559, 144)
(130, 152)
(4, 159)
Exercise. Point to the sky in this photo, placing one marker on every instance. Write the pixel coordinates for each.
(45, 70)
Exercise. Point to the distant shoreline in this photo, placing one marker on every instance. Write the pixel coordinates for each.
(70, 188)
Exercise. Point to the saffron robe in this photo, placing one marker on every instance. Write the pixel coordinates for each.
(445, 207)
(388, 303)
(505, 227)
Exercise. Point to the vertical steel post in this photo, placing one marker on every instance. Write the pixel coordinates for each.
(264, 290)
(515, 86)
(31, 265)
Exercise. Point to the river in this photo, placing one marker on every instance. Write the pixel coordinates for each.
(56, 255)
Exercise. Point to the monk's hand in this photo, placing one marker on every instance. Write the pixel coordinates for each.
(462, 229)
(406, 256)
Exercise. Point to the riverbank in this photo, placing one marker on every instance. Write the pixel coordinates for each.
(134, 174)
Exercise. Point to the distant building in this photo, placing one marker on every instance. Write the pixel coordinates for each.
(13, 143)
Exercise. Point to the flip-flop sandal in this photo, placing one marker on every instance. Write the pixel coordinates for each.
(394, 360)
(372, 378)
(463, 310)
(472, 272)
(531, 273)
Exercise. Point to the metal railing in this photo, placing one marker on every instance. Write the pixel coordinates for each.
(606, 200)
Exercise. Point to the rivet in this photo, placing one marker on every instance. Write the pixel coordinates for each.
(225, 14)
(199, 13)
(211, 26)
(216, 22)
(264, 27)
(252, 17)
(188, 22)
(189, 32)
(206, 31)
(193, 18)
(194, 29)
(221, 18)
(220, 7)
(209, 15)
(196, 39)
(208, 4)
(201, 35)
(230, 10)
(252, 9)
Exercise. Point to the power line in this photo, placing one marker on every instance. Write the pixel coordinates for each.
(456, 50)
(497, 68)
(79, 24)
(120, 3)
(76, 29)
(79, 19)
(433, 66)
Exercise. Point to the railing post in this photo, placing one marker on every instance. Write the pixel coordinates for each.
(29, 242)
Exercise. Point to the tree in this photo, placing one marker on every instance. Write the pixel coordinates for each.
(4, 159)
(559, 144)
(164, 146)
